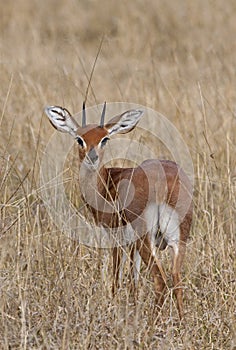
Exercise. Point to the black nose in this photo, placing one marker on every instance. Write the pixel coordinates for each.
(92, 155)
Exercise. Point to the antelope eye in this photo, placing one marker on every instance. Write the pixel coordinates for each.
(80, 141)
(104, 141)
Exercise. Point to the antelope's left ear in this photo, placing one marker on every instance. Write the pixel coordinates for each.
(125, 122)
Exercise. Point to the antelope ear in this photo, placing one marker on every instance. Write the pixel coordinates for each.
(62, 120)
(125, 122)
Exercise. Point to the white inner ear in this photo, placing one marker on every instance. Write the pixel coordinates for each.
(61, 119)
(127, 122)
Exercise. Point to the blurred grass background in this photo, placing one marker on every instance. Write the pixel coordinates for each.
(175, 57)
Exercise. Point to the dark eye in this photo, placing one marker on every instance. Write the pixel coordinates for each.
(80, 141)
(104, 141)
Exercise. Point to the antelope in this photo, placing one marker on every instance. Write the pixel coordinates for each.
(154, 198)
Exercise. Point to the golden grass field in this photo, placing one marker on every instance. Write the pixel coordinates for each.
(177, 58)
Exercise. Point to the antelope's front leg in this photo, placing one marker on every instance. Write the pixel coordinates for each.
(116, 269)
(145, 251)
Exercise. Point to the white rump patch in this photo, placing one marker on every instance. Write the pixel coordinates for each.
(165, 218)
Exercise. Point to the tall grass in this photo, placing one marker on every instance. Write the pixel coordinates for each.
(177, 58)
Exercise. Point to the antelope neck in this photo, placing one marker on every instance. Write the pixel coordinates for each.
(93, 183)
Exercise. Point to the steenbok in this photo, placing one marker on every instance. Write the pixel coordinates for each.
(153, 199)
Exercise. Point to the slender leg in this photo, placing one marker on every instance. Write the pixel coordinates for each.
(116, 269)
(137, 265)
(120, 256)
(122, 261)
(134, 271)
(159, 283)
(178, 256)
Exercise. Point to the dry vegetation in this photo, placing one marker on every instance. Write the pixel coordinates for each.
(175, 57)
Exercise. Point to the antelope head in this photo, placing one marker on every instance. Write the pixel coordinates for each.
(92, 138)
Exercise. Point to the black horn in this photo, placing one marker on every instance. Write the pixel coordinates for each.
(83, 116)
(103, 116)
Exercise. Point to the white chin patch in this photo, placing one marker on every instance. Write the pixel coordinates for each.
(91, 166)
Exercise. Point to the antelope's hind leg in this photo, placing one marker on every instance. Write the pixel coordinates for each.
(174, 234)
(178, 252)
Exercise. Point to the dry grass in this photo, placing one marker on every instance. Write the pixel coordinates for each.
(176, 58)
